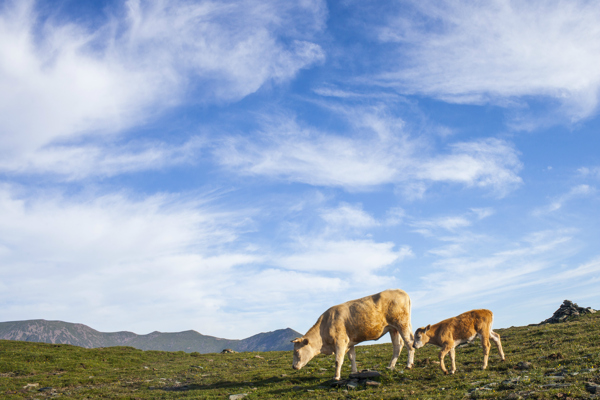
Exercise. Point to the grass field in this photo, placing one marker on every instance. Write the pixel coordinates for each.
(564, 357)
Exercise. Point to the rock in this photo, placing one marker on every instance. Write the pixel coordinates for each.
(566, 310)
(592, 388)
(31, 385)
(365, 374)
(352, 384)
(237, 396)
(513, 396)
(228, 351)
(524, 365)
(372, 383)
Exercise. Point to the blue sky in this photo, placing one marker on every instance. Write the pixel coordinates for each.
(236, 167)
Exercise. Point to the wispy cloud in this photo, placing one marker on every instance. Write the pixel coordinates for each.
(61, 80)
(78, 162)
(498, 52)
(377, 152)
(559, 202)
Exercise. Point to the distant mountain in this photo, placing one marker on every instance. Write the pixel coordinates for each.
(40, 330)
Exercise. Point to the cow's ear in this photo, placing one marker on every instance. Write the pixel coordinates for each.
(297, 340)
(427, 328)
(305, 341)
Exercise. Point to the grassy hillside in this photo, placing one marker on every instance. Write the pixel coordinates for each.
(563, 357)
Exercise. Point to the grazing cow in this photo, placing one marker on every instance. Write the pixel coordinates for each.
(341, 327)
(461, 329)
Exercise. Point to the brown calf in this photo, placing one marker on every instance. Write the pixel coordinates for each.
(463, 328)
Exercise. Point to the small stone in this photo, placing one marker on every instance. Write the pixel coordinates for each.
(237, 396)
(257, 356)
(31, 385)
(524, 365)
(352, 384)
(592, 388)
(372, 383)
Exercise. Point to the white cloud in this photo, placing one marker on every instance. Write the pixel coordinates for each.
(377, 152)
(476, 276)
(359, 257)
(82, 161)
(591, 171)
(499, 52)
(60, 80)
(559, 202)
(347, 215)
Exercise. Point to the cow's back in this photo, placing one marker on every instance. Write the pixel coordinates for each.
(366, 318)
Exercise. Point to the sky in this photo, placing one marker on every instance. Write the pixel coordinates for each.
(239, 166)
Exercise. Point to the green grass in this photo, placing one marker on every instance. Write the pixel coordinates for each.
(571, 350)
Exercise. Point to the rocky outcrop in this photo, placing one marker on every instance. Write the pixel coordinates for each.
(566, 310)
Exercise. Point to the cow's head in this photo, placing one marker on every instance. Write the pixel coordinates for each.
(421, 337)
(303, 352)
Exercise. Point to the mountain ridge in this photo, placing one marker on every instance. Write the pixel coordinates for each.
(60, 332)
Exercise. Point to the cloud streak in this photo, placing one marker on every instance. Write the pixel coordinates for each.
(498, 52)
(62, 80)
(377, 152)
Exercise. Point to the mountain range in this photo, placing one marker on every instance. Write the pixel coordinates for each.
(60, 332)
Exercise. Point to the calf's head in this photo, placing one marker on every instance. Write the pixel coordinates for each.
(303, 352)
(421, 337)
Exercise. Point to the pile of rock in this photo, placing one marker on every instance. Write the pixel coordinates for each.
(362, 378)
(566, 310)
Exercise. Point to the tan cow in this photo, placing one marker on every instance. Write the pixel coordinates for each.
(341, 327)
(461, 329)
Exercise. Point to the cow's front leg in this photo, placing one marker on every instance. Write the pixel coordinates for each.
(340, 352)
(352, 357)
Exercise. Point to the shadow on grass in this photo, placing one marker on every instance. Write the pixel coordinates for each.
(262, 383)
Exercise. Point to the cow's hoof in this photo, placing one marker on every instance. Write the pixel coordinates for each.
(446, 372)
(452, 372)
(410, 366)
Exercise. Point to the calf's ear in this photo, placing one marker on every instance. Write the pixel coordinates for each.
(297, 340)
(427, 328)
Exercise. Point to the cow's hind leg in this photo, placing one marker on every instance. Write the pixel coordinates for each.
(352, 357)
(496, 338)
(397, 343)
(408, 337)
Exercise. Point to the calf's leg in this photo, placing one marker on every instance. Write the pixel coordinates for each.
(496, 338)
(453, 359)
(485, 343)
(445, 350)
